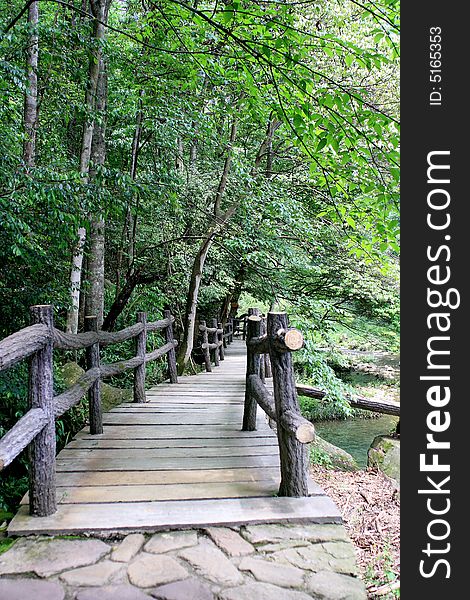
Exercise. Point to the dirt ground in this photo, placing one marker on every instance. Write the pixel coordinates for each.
(370, 505)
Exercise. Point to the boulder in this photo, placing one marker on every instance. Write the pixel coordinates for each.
(384, 454)
(110, 396)
(340, 459)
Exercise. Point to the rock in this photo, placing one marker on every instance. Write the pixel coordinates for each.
(340, 459)
(149, 570)
(271, 534)
(270, 572)
(384, 454)
(330, 556)
(112, 592)
(262, 591)
(46, 557)
(26, 589)
(212, 564)
(128, 548)
(333, 586)
(171, 540)
(99, 574)
(268, 548)
(229, 541)
(188, 589)
(110, 396)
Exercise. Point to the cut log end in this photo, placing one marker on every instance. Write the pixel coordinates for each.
(305, 433)
(255, 318)
(294, 339)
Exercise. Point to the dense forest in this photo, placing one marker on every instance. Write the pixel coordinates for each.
(201, 156)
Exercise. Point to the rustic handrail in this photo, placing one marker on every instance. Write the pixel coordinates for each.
(79, 341)
(214, 339)
(293, 430)
(21, 344)
(36, 428)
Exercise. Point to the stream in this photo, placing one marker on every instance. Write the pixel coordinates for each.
(356, 435)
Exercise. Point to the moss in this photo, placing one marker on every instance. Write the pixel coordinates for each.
(330, 456)
(6, 544)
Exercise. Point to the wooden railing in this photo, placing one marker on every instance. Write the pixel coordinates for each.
(215, 338)
(273, 338)
(37, 427)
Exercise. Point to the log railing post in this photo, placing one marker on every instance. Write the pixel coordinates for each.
(214, 340)
(221, 341)
(244, 328)
(230, 330)
(293, 454)
(94, 393)
(252, 368)
(42, 472)
(140, 350)
(225, 337)
(171, 356)
(266, 360)
(205, 343)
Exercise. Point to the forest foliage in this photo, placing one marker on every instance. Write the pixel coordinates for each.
(182, 154)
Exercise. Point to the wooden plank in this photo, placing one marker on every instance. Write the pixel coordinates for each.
(91, 478)
(169, 419)
(158, 493)
(92, 442)
(94, 463)
(151, 516)
(174, 431)
(198, 452)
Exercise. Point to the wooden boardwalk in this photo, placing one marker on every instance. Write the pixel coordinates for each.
(177, 461)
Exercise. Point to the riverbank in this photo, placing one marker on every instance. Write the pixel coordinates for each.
(370, 507)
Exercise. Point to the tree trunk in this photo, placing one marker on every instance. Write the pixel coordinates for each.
(99, 9)
(184, 352)
(31, 97)
(130, 224)
(95, 296)
(220, 221)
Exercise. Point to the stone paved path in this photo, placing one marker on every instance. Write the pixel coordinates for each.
(254, 562)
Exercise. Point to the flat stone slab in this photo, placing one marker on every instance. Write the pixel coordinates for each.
(331, 556)
(28, 589)
(271, 572)
(150, 570)
(271, 534)
(229, 541)
(46, 557)
(95, 575)
(262, 591)
(113, 592)
(128, 548)
(173, 540)
(188, 589)
(212, 564)
(334, 586)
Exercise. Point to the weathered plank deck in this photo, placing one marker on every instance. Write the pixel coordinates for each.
(177, 461)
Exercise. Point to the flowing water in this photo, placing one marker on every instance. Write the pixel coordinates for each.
(356, 435)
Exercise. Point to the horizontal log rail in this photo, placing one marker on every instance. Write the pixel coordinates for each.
(270, 343)
(296, 424)
(214, 339)
(36, 429)
(18, 346)
(379, 406)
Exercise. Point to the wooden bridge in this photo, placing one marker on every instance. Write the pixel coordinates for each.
(187, 453)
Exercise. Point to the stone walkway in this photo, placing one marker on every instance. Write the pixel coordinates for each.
(256, 562)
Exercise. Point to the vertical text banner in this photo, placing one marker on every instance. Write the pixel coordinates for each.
(435, 206)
